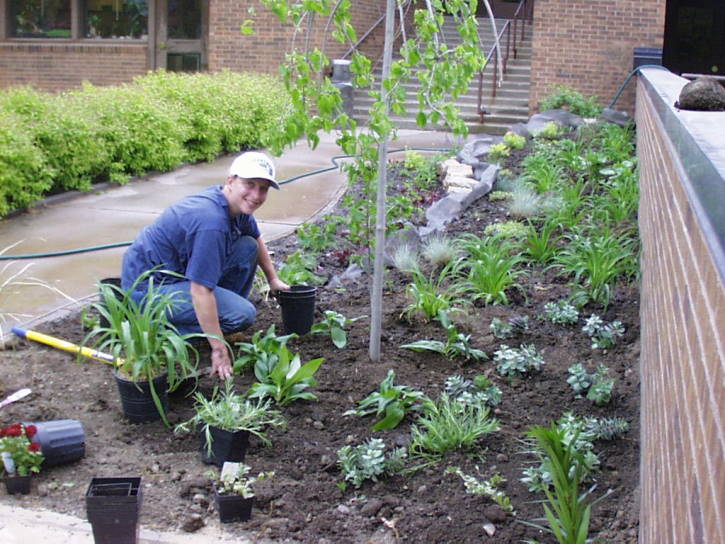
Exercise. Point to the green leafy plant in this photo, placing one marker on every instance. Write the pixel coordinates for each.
(562, 96)
(498, 152)
(140, 337)
(600, 392)
(494, 196)
(514, 141)
(368, 461)
(391, 403)
(603, 335)
(317, 237)
(447, 425)
(434, 293)
(231, 412)
(550, 131)
(298, 269)
(579, 379)
(561, 312)
(334, 324)
(263, 348)
(507, 229)
(488, 488)
(568, 510)
(607, 428)
(479, 391)
(234, 479)
(20, 456)
(512, 362)
(287, 380)
(457, 345)
(491, 269)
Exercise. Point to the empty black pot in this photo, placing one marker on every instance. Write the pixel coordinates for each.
(112, 508)
(298, 308)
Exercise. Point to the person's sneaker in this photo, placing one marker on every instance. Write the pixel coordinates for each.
(234, 337)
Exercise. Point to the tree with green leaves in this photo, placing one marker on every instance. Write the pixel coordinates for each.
(444, 73)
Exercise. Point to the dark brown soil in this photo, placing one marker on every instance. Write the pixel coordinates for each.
(303, 502)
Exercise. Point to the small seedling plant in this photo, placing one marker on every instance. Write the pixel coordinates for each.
(456, 346)
(480, 390)
(516, 325)
(287, 380)
(368, 461)
(512, 362)
(391, 403)
(560, 312)
(334, 324)
(432, 294)
(235, 480)
(603, 335)
(488, 488)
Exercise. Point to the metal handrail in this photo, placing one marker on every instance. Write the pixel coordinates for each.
(375, 25)
(522, 15)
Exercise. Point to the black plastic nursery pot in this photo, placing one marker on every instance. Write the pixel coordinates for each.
(61, 441)
(136, 399)
(18, 485)
(225, 446)
(112, 508)
(298, 308)
(233, 507)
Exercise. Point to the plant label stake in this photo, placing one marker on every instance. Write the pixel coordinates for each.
(22, 393)
(67, 346)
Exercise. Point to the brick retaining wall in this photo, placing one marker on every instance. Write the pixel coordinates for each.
(588, 45)
(683, 317)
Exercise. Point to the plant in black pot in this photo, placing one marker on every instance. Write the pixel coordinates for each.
(234, 492)
(151, 357)
(225, 422)
(20, 457)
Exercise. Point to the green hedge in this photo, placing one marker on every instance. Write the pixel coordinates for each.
(59, 142)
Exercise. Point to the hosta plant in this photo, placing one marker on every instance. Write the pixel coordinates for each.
(334, 324)
(287, 380)
(263, 348)
(390, 404)
(512, 362)
(368, 461)
(456, 346)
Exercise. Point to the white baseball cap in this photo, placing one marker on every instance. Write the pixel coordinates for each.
(253, 165)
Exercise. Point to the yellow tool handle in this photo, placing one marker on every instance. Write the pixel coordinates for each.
(68, 346)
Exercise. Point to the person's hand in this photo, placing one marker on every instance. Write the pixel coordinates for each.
(278, 285)
(221, 364)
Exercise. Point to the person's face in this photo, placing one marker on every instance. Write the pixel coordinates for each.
(246, 195)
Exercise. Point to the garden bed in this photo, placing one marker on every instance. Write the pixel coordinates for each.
(303, 502)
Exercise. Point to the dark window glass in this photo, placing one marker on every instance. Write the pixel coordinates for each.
(183, 62)
(116, 19)
(40, 18)
(184, 19)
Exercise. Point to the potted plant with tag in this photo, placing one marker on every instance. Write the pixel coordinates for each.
(151, 356)
(234, 492)
(225, 422)
(20, 456)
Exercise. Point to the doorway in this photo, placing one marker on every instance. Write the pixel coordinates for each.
(181, 32)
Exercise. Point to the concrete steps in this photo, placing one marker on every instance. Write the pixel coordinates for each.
(509, 106)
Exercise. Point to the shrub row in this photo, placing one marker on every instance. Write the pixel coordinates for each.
(58, 142)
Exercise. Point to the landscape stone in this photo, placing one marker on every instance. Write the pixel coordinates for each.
(702, 94)
(561, 117)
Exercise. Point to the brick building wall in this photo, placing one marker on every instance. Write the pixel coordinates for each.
(53, 66)
(264, 50)
(588, 45)
(683, 333)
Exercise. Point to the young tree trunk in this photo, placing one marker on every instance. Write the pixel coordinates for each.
(376, 296)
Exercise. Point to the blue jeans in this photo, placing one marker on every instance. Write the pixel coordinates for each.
(236, 313)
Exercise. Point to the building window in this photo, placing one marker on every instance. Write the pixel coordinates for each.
(118, 19)
(40, 18)
(184, 20)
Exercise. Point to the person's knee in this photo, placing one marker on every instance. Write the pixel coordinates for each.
(238, 319)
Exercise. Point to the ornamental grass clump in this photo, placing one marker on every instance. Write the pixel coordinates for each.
(232, 412)
(20, 456)
(439, 250)
(448, 424)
